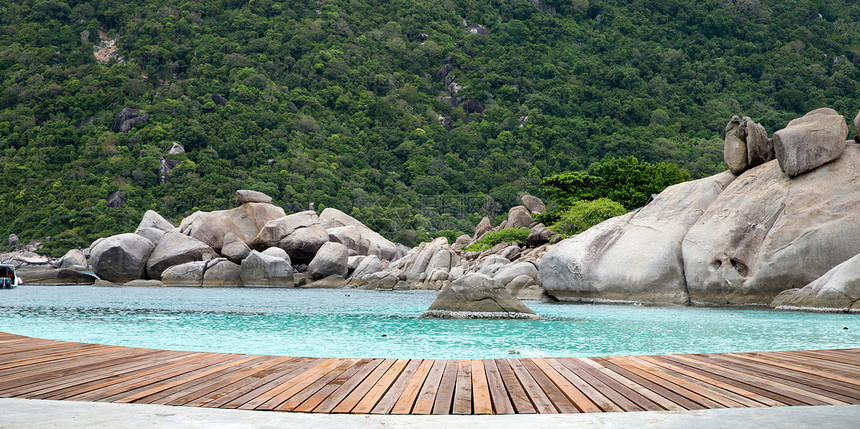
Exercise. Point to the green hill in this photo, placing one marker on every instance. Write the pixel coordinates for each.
(339, 102)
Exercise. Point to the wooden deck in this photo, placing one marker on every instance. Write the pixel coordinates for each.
(44, 369)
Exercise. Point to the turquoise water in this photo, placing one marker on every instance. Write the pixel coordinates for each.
(357, 323)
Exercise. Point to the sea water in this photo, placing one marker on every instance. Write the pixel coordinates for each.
(360, 324)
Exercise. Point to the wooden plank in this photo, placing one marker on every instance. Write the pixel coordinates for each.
(703, 396)
(745, 397)
(212, 375)
(255, 381)
(767, 387)
(463, 388)
(620, 395)
(344, 390)
(677, 395)
(316, 386)
(481, 401)
(834, 368)
(808, 373)
(498, 394)
(577, 397)
(825, 390)
(542, 403)
(559, 400)
(519, 398)
(397, 390)
(427, 395)
(850, 358)
(643, 392)
(375, 394)
(313, 403)
(279, 378)
(363, 388)
(445, 394)
(286, 388)
(212, 391)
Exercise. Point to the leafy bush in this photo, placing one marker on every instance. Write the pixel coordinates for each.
(582, 215)
(508, 235)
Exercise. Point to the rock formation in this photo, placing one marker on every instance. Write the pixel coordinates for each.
(810, 141)
(838, 290)
(476, 296)
(120, 258)
(174, 249)
(127, 118)
(300, 234)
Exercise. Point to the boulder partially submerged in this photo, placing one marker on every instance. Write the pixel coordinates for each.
(476, 296)
(838, 290)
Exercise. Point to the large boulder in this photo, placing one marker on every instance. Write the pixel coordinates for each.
(187, 274)
(369, 241)
(484, 226)
(810, 141)
(534, 204)
(248, 196)
(519, 217)
(121, 258)
(746, 145)
(300, 234)
(73, 258)
(512, 271)
(636, 256)
(331, 259)
(152, 219)
(222, 273)
(475, 296)
(174, 249)
(767, 232)
(367, 266)
(260, 270)
(245, 222)
(429, 257)
(759, 146)
(54, 276)
(838, 290)
(234, 249)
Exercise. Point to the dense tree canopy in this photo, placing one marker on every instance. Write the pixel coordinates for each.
(405, 114)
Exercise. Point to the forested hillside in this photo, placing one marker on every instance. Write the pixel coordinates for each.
(413, 116)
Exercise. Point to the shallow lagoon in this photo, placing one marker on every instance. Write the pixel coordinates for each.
(357, 323)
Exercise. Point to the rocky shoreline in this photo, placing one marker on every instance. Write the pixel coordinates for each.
(773, 230)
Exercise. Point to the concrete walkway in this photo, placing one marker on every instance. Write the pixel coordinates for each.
(28, 413)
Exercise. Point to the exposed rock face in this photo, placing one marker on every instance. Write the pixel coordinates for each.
(369, 241)
(234, 249)
(213, 273)
(13, 240)
(219, 99)
(259, 270)
(634, 256)
(484, 226)
(116, 199)
(248, 196)
(152, 219)
(244, 222)
(429, 257)
(369, 265)
(277, 252)
(187, 274)
(54, 276)
(837, 290)
(475, 296)
(300, 234)
(767, 232)
(73, 258)
(534, 204)
(810, 141)
(539, 235)
(519, 217)
(746, 145)
(222, 273)
(121, 258)
(331, 259)
(175, 249)
(127, 118)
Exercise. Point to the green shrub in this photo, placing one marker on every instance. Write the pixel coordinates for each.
(582, 215)
(508, 235)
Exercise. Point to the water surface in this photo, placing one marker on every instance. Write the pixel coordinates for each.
(357, 323)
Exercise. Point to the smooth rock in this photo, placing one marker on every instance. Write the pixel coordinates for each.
(636, 256)
(519, 217)
(74, 257)
(152, 234)
(484, 226)
(539, 236)
(333, 281)
(187, 274)
(475, 296)
(152, 219)
(278, 253)
(838, 290)
(121, 258)
(735, 146)
(248, 196)
(259, 270)
(222, 273)
(143, 283)
(511, 253)
(463, 241)
(245, 222)
(175, 249)
(369, 265)
(45, 276)
(512, 271)
(524, 288)
(767, 233)
(234, 249)
(300, 234)
(369, 243)
(533, 204)
(810, 141)
(127, 118)
(759, 146)
(331, 259)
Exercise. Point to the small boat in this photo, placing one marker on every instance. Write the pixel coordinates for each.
(8, 278)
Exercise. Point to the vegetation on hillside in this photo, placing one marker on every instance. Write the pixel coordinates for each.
(339, 102)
